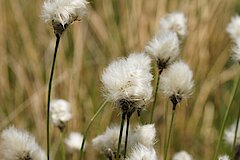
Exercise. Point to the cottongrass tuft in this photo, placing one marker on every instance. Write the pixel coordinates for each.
(141, 135)
(229, 134)
(236, 50)
(176, 22)
(19, 145)
(224, 157)
(233, 28)
(107, 142)
(144, 135)
(127, 82)
(74, 141)
(176, 82)
(61, 13)
(182, 155)
(60, 113)
(141, 152)
(164, 48)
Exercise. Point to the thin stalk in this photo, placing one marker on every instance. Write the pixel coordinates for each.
(165, 124)
(120, 135)
(235, 135)
(62, 145)
(126, 138)
(88, 126)
(155, 95)
(236, 130)
(49, 94)
(169, 135)
(233, 92)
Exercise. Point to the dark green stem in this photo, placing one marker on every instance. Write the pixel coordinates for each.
(155, 95)
(126, 137)
(88, 126)
(49, 94)
(233, 92)
(235, 135)
(120, 135)
(170, 132)
(62, 144)
(165, 124)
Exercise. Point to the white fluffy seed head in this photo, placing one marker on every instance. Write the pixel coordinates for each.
(74, 141)
(176, 22)
(144, 135)
(60, 112)
(164, 47)
(141, 152)
(224, 157)
(233, 28)
(182, 155)
(128, 79)
(177, 80)
(229, 134)
(63, 12)
(236, 51)
(19, 145)
(107, 142)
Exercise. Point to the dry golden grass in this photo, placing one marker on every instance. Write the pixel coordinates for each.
(112, 29)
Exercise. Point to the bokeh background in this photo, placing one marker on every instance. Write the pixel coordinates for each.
(111, 29)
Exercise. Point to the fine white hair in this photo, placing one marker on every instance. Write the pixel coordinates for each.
(236, 50)
(128, 78)
(177, 80)
(224, 157)
(63, 11)
(60, 111)
(164, 48)
(175, 21)
(74, 141)
(229, 134)
(141, 152)
(17, 144)
(233, 28)
(182, 155)
(143, 134)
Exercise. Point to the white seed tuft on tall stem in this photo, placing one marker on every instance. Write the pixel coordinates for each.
(176, 22)
(19, 145)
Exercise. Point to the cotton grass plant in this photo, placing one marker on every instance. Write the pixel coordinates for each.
(176, 84)
(127, 83)
(113, 29)
(233, 30)
(60, 13)
(19, 145)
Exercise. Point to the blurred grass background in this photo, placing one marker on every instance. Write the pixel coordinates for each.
(112, 29)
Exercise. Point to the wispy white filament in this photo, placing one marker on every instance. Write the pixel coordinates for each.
(107, 142)
(224, 157)
(177, 80)
(233, 27)
(19, 145)
(144, 135)
(176, 22)
(128, 78)
(229, 134)
(141, 152)
(60, 112)
(182, 155)
(164, 47)
(74, 141)
(63, 11)
(236, 50)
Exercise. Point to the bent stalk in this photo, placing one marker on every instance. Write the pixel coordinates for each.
(88, 126)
